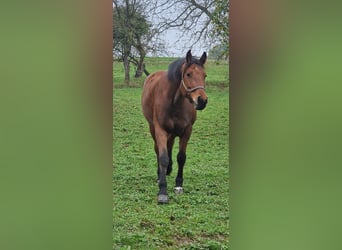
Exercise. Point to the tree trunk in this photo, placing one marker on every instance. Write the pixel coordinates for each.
(141, 65)
(127, 69)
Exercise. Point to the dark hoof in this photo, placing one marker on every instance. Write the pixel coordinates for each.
(163, 199)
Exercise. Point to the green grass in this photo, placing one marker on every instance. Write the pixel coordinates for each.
(217, 71)
(197, 219)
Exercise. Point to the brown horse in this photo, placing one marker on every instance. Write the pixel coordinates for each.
(169, 101)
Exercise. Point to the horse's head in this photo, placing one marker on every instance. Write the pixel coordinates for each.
(193, 80)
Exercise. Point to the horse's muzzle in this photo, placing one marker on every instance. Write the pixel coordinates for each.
(201, 103)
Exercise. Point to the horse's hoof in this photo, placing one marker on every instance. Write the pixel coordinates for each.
(179, 190)
(163, 199)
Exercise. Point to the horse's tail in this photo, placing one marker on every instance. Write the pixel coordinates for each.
(146, 72)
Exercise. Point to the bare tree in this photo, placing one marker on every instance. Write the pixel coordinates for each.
(139, 23)
(133, 35)
(202, 20)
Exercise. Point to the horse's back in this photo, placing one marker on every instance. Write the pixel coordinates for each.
(153, 80)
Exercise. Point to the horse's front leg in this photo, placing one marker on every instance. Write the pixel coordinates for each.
(163, 162)
(181, 158)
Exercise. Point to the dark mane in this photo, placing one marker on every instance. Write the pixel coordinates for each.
(174, 73)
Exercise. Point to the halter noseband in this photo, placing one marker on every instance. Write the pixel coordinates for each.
(188, 91)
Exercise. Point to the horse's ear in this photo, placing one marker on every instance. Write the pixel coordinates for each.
(203, 58)
(188, 57)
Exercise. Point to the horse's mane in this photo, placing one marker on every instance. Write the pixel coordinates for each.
(174, 73)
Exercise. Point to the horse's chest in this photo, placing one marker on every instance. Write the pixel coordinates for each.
(177, 124)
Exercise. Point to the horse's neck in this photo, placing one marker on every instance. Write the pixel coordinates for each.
(177, 96)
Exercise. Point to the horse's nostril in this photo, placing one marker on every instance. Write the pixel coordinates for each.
(200, 101)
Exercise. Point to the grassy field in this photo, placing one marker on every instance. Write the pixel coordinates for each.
(197, 219)
(217, 71)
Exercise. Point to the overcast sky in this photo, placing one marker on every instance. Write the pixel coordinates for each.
(179, 49)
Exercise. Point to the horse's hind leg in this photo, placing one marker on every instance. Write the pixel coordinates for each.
(157, 155)
(155, 147)
(170, 142)
(181, 158)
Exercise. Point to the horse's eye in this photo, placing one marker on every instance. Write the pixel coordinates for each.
(205, 76)
(188, 74)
